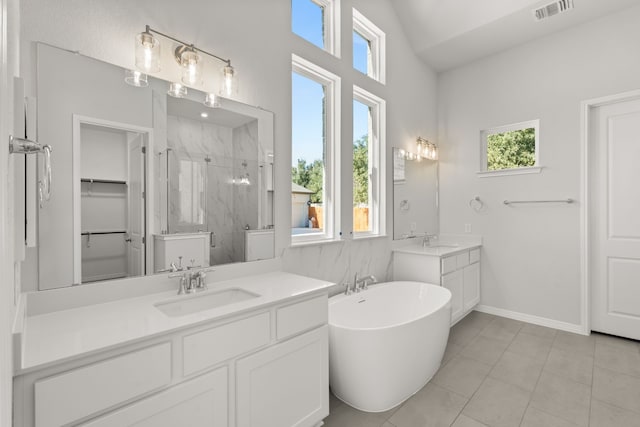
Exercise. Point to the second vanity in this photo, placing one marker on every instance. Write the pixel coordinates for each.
(449, 262)
(261, 360)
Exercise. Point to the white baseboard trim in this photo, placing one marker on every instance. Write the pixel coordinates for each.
(529, 318)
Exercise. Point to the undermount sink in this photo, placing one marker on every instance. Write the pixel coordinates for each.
(190, 304)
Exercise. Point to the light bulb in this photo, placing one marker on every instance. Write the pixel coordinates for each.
(191, 63)
(228, 81)
(147, 52)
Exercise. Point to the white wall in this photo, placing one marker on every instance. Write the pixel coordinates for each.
(256, 35)
(530, 261)
(9, 272)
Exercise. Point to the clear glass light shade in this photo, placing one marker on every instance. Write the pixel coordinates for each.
(211, 100)
(229, 82)
(135, 78)
(191, 67)
(147, 53)
(177, 90)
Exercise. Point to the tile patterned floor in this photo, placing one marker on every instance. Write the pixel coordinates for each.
(499, 372)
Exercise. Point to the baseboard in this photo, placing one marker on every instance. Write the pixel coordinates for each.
(536, 320)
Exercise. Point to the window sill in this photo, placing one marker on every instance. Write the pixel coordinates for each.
(312, 242)
(505, 172)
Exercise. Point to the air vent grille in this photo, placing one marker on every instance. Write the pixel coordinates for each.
(552, 9)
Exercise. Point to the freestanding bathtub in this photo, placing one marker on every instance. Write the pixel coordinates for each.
(387, 342)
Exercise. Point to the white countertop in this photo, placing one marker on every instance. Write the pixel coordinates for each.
(439, 249)
(66, 334)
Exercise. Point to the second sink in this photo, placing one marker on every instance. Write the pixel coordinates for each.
(194, 303)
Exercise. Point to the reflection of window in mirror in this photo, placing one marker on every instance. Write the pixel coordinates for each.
(511, 149)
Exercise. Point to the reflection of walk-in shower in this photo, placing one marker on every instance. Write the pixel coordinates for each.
(185, 183)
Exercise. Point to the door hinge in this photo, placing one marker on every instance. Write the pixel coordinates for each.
(144, 240)
(144, 194)
(144, 150)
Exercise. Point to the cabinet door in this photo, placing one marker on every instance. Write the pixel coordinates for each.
(453, 282)
(471, 286)
(285, 385)
(196, 403)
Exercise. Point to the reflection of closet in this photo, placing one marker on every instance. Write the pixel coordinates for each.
(105, 198)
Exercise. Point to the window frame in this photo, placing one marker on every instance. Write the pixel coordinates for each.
(377, 162)
(377, 42)
(331, 188)
(330, 25)
(485, 133)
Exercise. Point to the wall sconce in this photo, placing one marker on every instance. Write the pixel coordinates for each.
(189, 57)
(426, 150)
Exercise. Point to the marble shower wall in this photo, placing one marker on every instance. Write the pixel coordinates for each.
(339, 261)
(230, 206)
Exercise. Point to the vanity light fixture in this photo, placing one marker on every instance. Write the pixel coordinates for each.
(177, 90)
(135, 78)
(426, 149)
(188, 56)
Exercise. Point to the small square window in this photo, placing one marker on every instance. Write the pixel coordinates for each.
(316, 21)
(511, 149)
(368, 47)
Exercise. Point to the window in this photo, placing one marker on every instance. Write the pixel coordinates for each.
(368, 163)
(510, 149)
(317, 22)
(315, 153)
(368, 47)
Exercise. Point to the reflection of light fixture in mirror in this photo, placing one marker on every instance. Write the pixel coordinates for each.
(147, 52)
(426, 149)
(211, 100)
(190, 58)
(190, 61)
(177, 90)
(135, 78)
(244, 178)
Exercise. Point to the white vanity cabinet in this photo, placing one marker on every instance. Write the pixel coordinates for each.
(456, 269)
(265, 367)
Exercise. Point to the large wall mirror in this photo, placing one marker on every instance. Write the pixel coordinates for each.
(415, 195)
(144, 182)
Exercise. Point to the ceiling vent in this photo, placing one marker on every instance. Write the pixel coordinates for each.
(551, 9)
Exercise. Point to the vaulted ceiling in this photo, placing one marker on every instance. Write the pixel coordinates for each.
(449, 33)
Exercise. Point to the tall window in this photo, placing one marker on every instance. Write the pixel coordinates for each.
(316, 21)
(368, 163)
(315, 152)
(369, 47)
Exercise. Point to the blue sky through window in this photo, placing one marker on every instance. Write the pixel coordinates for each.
(307, 94)
(360, 53)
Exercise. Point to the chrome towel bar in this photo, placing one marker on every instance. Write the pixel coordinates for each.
(511, 202)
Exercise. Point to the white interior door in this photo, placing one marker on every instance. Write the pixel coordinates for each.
(136, 206)
(614, 210)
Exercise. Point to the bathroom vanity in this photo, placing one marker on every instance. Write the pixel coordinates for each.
(454, 265)
(259, 358)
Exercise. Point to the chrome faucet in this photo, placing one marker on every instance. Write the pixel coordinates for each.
(192, 281)
(361, 284)
(426, 239)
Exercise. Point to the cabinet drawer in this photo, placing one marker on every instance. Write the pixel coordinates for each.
(202, 401)
(474, 255)
(212, 346)
(462, 260)
(81, 392)
(448, 264)
(302, 316)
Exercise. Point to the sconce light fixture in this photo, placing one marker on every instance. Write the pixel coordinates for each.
(426, 149)
(189, 57)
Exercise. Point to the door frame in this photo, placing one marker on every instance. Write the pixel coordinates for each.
(79, 120)
(586, 111)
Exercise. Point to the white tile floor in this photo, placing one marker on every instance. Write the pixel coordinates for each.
(498, 372)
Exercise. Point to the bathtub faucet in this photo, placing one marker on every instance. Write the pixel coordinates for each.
(362, 283)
